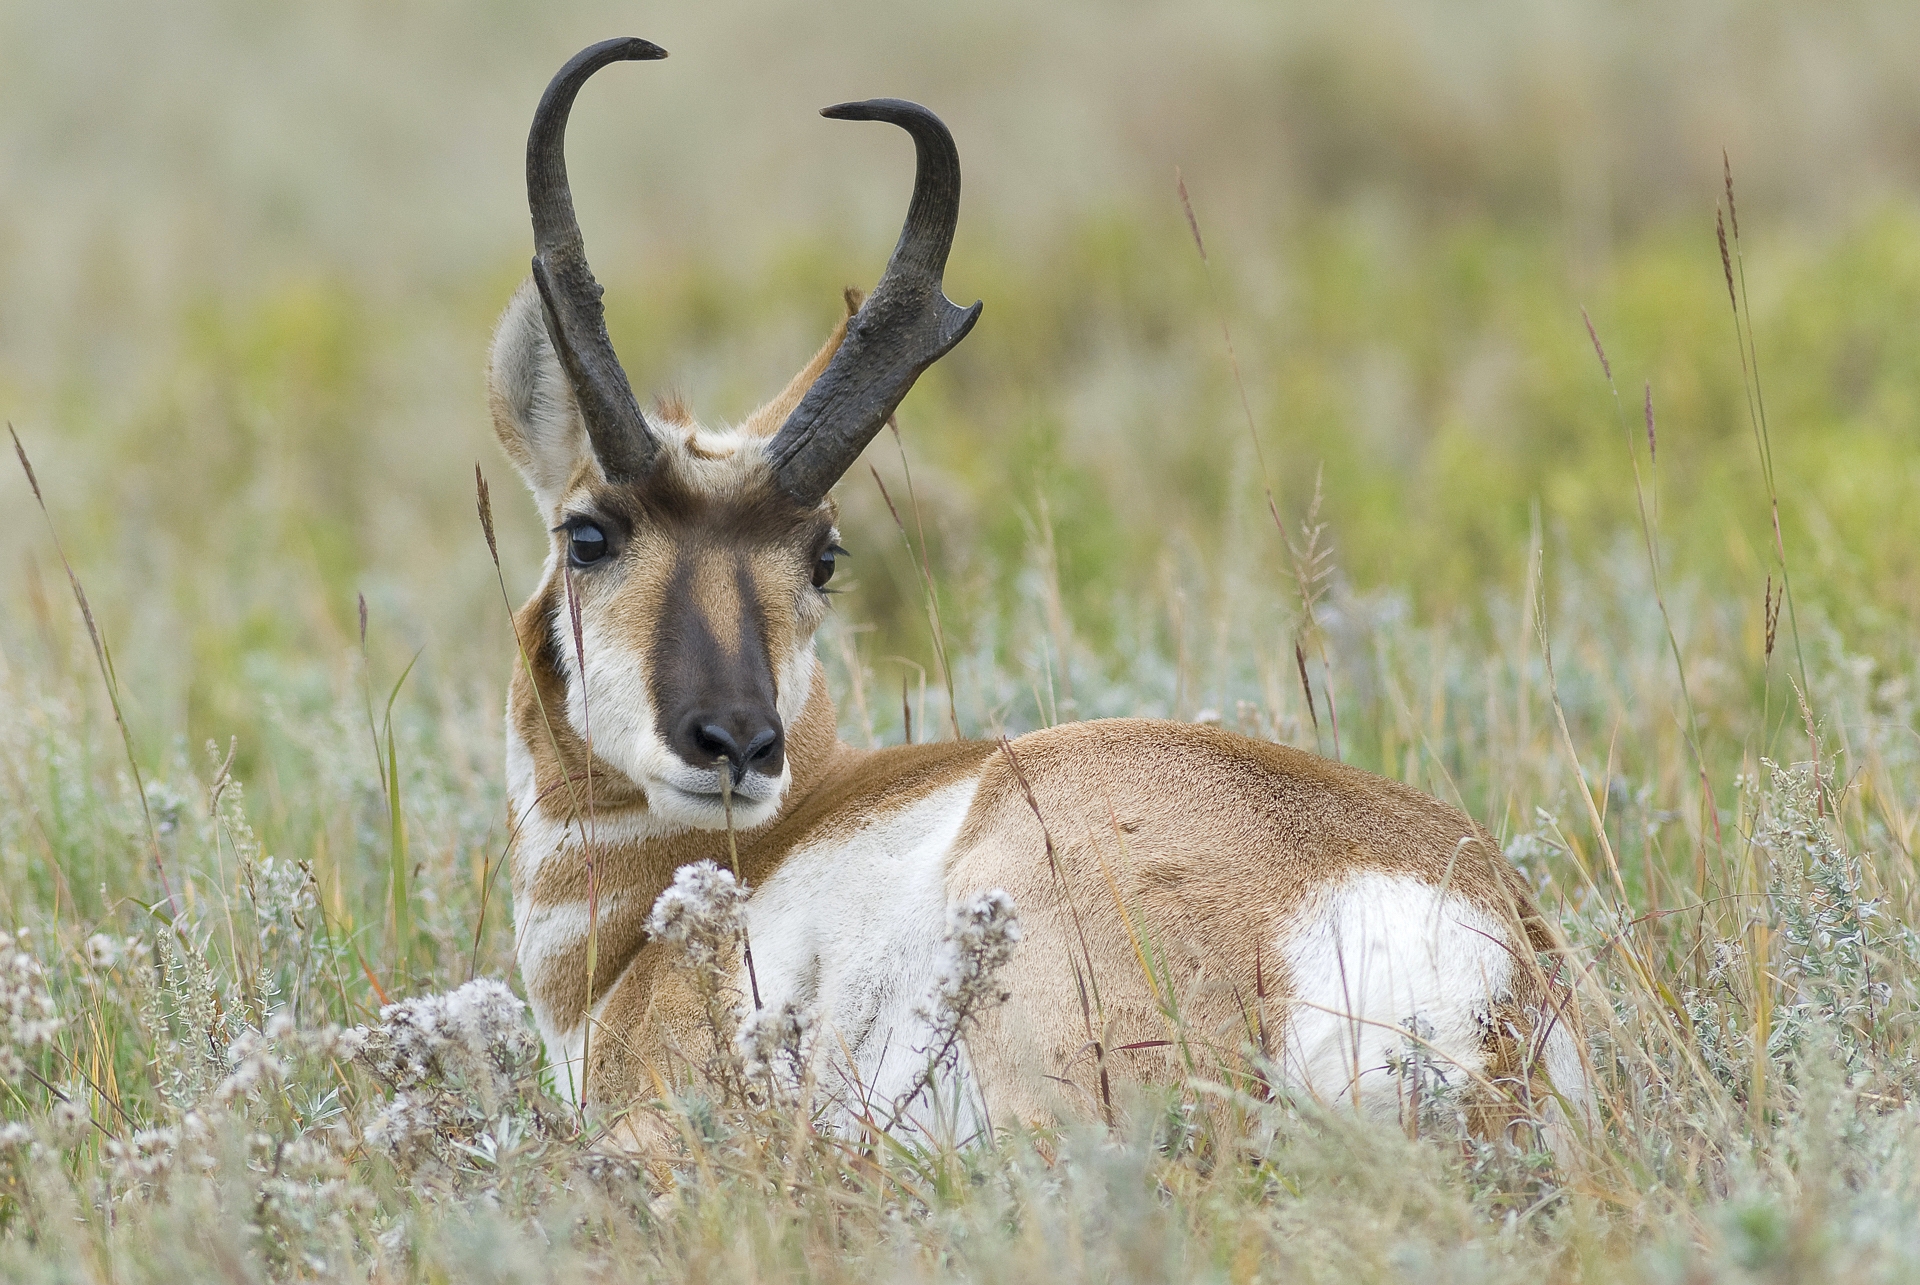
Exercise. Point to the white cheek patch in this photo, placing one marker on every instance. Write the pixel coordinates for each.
(793, 684)
(613, 708)
(1378, 956)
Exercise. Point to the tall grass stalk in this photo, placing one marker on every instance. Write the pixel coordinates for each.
(923, 562)
(589, 838)
(1650, 540)
(1310, 562)
(104, 658)
(399, 862)
(1733, 264)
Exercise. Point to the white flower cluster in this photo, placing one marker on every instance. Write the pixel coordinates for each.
(702, 912)
(454, 1063)
(25, 1005)
(477, 1031)
(68, 1120)
(258, 1058)
(776, 1045)
(307, 1202)
(105, 952)
(253, 1060)
(148, 1156)
(981, 934)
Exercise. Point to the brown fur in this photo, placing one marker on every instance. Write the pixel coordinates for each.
(1154, 863)
(1170, 912)
(766, 421)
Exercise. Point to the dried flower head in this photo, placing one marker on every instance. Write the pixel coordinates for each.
(455, 1063)
(476, 1031)
(254, 1064)
(103, 952)
(981, 934)
(68, 1120)
(145, 1160)
(702, 912)
(776, 1045)
(26, 1007)
(982, 931)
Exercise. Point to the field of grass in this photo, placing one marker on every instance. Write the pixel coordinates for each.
(247, 267)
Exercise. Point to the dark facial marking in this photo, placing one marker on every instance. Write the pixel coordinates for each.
(544, 644)
(716, 703)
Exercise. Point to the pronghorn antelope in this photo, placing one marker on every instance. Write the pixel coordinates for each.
(671, 671)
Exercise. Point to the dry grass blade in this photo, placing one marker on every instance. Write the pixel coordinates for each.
(104, 659)
(1309, 562)
(484, 506)
(1306, 684)
(733, 864)
(1735, 265)
(925, 568)
(589, 836)
(1086, 982)
(1651, 543)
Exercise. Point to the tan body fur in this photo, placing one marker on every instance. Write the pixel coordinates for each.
(1102, 874)
(1166, 874)
(1191, 901)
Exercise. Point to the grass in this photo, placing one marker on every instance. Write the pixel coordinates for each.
(270, 509)
(1748, 979)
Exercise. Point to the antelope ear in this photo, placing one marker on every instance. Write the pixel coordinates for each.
(535, 415)
(766, 421)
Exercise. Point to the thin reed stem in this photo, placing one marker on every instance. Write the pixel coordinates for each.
(733, 862)
(1309, 573)
(1733, 264)
(593, 866)
(1652, 544)
(104, 658)
(926, 577)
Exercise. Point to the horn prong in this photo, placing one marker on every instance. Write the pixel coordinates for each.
(906, 324)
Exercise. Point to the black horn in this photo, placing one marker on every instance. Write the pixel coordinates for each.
(906, 324)
(576, 322)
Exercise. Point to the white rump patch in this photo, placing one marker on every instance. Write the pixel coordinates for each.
(1386, 968)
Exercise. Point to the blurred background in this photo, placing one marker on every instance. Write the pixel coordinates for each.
(250, 256)
(251, 253)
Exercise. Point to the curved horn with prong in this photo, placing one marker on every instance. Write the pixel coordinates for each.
(906, 325)
(576, 324)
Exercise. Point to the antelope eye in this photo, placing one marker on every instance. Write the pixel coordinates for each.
(823, 567)
(586, 544)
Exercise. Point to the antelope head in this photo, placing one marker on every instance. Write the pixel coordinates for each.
(693, 561)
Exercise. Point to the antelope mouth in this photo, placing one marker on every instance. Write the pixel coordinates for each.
(697, 799)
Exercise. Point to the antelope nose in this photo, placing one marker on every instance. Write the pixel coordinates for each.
(747, 740)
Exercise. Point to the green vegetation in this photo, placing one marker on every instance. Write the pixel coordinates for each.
(249, 382)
